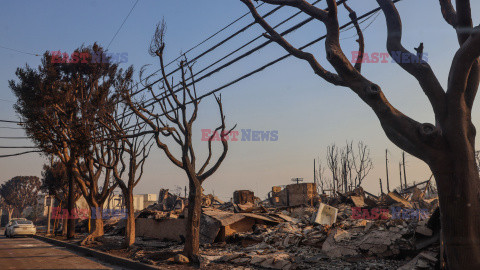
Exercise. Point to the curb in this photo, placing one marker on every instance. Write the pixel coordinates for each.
(102, 256)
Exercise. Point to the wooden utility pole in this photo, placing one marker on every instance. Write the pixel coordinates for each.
(404, 172)
(49, 215)
(400, 170)
(386, 168)
(298, 180)
(381, 188)
(314, 174)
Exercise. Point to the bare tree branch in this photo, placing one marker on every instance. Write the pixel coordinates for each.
(410, 62)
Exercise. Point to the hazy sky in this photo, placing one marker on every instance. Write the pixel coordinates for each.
(308, 113)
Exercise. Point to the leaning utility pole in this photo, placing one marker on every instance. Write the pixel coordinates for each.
(381, 189)
(404, 172)
(386, 168)
(400, 170)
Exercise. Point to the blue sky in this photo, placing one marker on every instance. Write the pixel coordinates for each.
(308, 113)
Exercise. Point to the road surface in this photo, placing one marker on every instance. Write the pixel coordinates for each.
(30, 253)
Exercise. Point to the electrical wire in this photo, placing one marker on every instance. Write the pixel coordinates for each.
(22, 153)
(244, 76)
(10, 121)
(15, 50)
(272, 62)
(284, 33)
(6, 100)
(366, 27)
(203, 53)
(124, 20)
(17, 147)
(9, 128)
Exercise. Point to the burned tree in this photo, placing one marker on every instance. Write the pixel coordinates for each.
(321, 180)
(448, 145)
(333, 165)
(5, 206)
(362, 163)
(95, 181)
(346, 163)
(20, 192)
(129, 151)
(59, 102)
(176, 122)
(349, 167)
(55, 183)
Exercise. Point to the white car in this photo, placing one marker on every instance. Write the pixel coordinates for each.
(20, 226)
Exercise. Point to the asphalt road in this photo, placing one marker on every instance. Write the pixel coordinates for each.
(30, 253)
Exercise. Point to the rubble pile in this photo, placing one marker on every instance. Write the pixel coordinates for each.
(382, 234)
(355, 230)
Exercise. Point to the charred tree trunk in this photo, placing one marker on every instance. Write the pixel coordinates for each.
(98, 224)
(10, 213)
(130, 226)
(70, 224)
(65, 225)
(97, 221)
(192, 241)
(458, 185)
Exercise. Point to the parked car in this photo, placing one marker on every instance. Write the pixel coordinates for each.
(20, 226)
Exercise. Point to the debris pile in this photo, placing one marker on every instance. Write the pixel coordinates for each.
(355, 230)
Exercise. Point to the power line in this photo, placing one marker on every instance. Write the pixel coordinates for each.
(202, 42)
(18, 154)
(10, 128)
(254, 71)
(250, 42)
(17, 147)
(124, 20)
(15, 50)
(208, 50)
(10, 121)
(366, 27)
(286, 32)
(224, 28)
(6, 100)
(273, 62)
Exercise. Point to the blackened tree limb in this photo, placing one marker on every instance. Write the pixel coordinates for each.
(223, 135)
(464, 27)
(472, 84)
(276, 37)
(360, 40)
(416, 138)
(448, 12)
(416, 67)
(462, 66)
(464, 23)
